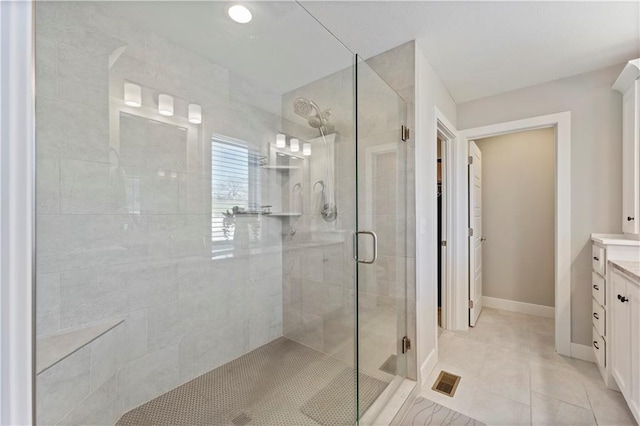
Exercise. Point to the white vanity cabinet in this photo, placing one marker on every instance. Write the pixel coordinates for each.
(625, 337)
(606, 248)
(629, 85)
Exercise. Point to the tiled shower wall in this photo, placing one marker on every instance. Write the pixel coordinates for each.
(124, 213)
(318, 281)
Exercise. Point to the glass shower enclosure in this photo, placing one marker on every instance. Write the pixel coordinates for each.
(200, 183)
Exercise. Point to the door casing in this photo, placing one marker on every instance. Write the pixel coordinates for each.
(460, 284)
(447, 134)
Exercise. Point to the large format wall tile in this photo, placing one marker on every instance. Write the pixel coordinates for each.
(135, 335)
(62, 387)
(92, 295)
(99, 408)
(47, 69)
(216, 347)
(48, 186)
(106, 356)
(69, 130)
(150, 285)
(47, 303)
(147, 377)
(90, 188)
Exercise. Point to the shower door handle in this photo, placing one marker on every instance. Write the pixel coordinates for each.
(374, 238)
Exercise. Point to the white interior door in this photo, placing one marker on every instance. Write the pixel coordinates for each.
(475, 238)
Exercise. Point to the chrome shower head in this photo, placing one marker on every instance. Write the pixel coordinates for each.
(306, 108)
(315, 121)
(303, 107)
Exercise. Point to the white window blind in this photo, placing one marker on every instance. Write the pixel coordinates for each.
(235, 181)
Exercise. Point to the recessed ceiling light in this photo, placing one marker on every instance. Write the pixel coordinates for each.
(240, 14)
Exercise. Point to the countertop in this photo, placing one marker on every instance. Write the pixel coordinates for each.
(630, 267)
(614, 239)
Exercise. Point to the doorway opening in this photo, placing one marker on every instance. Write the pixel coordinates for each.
(458, 306)
(511, 190)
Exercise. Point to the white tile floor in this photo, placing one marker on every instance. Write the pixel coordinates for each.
(511, 375)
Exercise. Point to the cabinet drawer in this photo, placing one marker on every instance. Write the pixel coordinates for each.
(598, 259)
(598, 346)
(598, 288)
(598, 317)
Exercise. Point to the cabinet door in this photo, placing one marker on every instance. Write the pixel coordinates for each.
(631, 160)
(620, 333)
(633, 293)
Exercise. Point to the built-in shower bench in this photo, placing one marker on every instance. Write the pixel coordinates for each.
(52, 349)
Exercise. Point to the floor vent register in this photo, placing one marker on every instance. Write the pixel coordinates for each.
(446, 383)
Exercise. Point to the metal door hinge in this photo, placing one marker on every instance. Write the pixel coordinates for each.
(471, 232)
(443, 243)
(405, 133)
(470, 160)
(406, 344)
(470, 304)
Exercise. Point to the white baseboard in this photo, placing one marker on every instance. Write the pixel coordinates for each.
(427, 366)
(582, 352)
(513, 306)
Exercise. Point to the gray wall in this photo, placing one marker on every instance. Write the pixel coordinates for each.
(596, 155)
(430, 94)
(518, 216)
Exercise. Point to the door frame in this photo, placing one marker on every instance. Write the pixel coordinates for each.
(445, 131)
(460, 288)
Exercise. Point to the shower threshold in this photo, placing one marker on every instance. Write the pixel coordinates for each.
(280, 383)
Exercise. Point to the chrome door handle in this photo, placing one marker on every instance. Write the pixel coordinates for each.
(375, 247)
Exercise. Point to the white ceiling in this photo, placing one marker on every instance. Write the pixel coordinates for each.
(281, 49)
(484, 48)
(477, 48)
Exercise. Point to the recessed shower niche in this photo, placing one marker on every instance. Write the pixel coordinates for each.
(307, 181)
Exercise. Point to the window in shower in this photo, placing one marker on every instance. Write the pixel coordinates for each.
(235, 183)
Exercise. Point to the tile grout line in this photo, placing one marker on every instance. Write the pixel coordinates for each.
(593, 414)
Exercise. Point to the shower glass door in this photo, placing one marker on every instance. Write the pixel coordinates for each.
(382, 248)
(196, 186)
(199, 184)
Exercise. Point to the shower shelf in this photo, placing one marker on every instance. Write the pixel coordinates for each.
(276, 167)
(286, 214)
